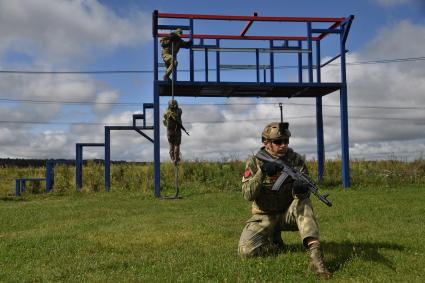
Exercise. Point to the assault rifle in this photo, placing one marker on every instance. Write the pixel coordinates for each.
(289, 172)
(180, 125)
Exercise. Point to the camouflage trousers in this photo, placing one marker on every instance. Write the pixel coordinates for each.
(169, 64)
(262, 232)
(174, 140)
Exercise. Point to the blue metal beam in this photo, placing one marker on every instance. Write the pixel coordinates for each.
(206, 64)
(156, 135)
(191, 55)
(300, 64)
(50, 175)
(321, 30)
(79, 166)
(107, 158)
(217, 60)
(257, 64)
(157, 145)
(271, 63)
(344, 118)
(331, 60)
(346, 25)
(79, 148)
(319, 121)
(310, 54)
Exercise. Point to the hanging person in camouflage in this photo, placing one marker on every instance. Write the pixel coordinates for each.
(286, 208)
(173, 122)
(171, 46)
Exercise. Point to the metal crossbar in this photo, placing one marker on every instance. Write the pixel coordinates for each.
(261, 50)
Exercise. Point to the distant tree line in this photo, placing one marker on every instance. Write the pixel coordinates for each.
(20, 162)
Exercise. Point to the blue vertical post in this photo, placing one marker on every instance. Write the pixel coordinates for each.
(18, 187)
(156, 145)
(206, 64)
(300, 63)
(144, 115)
(191, 57)
(50, 175)
(271, 63)
(257, 64)
(319, 121)
(79, 166)
(310, 53)
(156, 132)
(344, 117)
(217, 60)
(107, 158)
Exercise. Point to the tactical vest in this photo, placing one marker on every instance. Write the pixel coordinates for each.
(269, 201)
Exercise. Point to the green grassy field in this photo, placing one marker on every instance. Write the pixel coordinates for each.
(373, 233)
(369, 235)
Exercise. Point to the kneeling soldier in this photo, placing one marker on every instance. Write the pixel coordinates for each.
(286, 208)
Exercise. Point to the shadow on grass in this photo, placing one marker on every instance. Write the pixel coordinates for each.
(10, 198)
(344, 251)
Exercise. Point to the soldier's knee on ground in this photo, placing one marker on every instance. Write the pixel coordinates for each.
(247, 250)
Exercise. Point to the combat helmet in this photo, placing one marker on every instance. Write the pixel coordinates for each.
(172, 103)
(275, 131)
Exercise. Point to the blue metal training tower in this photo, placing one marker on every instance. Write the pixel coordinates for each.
(307, 46)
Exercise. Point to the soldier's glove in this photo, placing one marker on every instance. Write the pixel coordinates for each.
(270, 169)
(300, 188)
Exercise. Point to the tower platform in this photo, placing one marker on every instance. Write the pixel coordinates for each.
(247, 89)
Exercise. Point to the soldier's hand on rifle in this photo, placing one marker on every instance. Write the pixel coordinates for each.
(299, 187)
(270, 169)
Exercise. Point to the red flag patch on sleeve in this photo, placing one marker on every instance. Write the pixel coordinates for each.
(247, 173)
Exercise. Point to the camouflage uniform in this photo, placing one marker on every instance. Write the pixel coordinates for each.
(286, 207)
(173, 120)
(171, 45)
(274, 211)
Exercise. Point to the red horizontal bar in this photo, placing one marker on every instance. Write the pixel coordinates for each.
(252, 37)
(248, 18)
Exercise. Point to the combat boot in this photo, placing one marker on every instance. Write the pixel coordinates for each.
(317, 264)
(172, 154)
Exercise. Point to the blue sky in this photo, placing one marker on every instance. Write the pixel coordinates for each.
(52, 35)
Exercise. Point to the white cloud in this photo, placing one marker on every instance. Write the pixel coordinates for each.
(64, 30)
(402, 39)
(103, 103)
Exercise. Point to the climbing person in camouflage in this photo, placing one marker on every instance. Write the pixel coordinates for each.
(170, 47)
(287, 208)
(173, 122)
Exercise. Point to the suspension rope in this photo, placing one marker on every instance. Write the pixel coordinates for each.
(176, 164)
